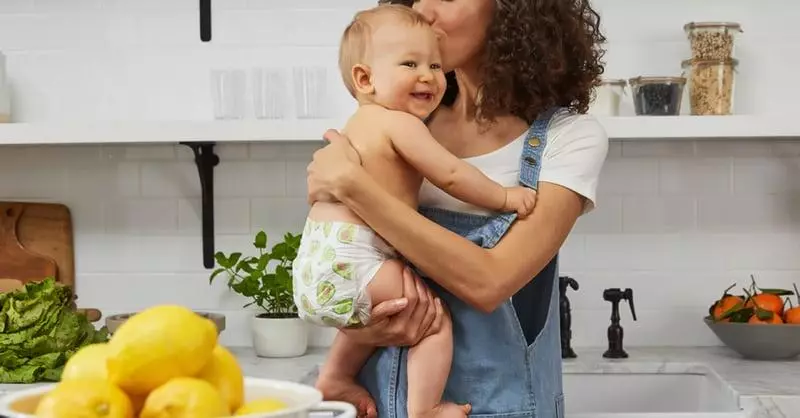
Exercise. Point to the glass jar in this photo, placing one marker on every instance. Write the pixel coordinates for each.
(5, 93)
(711, 85)
(657, 96)
(608, 98)
(5, 103)
(712, 40)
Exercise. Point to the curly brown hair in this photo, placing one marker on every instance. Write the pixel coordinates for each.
(539, 54)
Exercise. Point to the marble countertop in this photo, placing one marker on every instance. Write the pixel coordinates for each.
(767, 389)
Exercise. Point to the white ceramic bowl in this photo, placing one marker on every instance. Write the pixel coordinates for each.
(301, 399)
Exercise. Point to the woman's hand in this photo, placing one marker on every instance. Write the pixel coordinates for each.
(405, 321)
(331, 167)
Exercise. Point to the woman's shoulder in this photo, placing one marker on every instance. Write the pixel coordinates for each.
(574, 155)
(567, 127)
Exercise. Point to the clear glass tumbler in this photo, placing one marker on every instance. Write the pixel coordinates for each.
(227, 92)
(270, 93)
(310, 92)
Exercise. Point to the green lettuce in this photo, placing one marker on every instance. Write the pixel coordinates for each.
(39, 332)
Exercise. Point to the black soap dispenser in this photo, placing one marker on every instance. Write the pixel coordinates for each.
(615, 333)
(566, 316)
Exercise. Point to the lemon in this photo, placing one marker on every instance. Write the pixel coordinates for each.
(185, 397)
(87, 363)
(85, 398)
(224, 373)
(261, 406)
(158, 344)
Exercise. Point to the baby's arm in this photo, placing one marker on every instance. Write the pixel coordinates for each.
(414, 142)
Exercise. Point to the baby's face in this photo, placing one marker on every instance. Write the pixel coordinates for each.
(406, 69)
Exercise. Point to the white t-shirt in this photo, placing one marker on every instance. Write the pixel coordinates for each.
(573, 157)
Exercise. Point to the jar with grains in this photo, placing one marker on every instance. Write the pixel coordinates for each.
(711, 85)
(608, 98)
(712, 40)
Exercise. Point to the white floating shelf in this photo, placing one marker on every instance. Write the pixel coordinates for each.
(165, 131)
(618, 128)
(701, 127)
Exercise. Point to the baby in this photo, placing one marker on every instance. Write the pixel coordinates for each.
(390, 62)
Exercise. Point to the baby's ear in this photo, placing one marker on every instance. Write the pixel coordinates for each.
(362, 79)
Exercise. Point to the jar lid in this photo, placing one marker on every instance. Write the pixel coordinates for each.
(718, 61)
(712, 25)
(613, 81)
(657, 80)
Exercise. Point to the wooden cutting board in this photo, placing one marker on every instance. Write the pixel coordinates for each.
(36, 241)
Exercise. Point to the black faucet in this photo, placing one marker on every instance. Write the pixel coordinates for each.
(615, 333)
(566, 316)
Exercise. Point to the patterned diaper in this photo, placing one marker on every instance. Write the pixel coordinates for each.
(335, 263)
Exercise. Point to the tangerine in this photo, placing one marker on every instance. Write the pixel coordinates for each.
(792, 316)
(775, 319)
(768, 302)
(724, 305)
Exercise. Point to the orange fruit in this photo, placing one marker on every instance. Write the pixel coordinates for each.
(724, 305)
(792, 316)
(768, 302)
(776, 319)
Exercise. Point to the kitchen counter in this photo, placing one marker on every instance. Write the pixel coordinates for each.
(767, 389)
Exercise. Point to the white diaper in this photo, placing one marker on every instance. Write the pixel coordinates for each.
(335, 263)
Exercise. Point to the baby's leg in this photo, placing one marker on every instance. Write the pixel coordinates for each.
(428, 368)
(346, 357)
(429, 361)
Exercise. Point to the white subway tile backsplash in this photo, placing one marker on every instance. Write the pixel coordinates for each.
(98, 179)
(286, 214)
(629, 177)
(734, 148)
(231, 216)
(606, 218)
(665, 215)
(170, 179)
(265, 179)
(677, 221)
(142, 216)
(758, 176)
(695, 176)
(655, 149)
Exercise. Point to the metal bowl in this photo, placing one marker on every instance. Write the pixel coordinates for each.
(759, 341)
(114, 321)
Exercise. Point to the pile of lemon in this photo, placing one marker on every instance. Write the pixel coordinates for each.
(163, 362)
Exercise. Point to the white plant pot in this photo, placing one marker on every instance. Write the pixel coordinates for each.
(279, 337)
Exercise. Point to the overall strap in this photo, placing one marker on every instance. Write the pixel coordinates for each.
(532, 149)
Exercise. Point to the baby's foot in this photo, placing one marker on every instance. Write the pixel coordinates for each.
(347, 390)
(445, 410)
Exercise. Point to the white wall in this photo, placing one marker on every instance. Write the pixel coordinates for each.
(678, 221)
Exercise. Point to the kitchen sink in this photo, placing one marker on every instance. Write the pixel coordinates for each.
(624, 394)
(699, 394)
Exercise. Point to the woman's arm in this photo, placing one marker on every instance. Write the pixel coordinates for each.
(482, 278)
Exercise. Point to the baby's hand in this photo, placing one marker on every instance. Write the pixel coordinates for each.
(521, 200)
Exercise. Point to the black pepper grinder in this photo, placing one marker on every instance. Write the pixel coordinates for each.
(615, 333)
(566, 316)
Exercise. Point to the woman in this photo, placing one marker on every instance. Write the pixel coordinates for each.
(523, 72)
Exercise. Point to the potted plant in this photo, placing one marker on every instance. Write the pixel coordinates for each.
(266, 279)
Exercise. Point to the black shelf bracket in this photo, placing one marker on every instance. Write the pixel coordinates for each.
(206, 160)
(205, 20)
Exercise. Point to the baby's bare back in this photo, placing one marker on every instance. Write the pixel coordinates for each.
(379, 159)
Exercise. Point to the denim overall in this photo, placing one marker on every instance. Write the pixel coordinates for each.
(506, 364)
